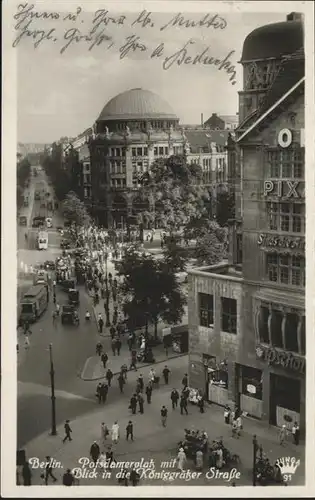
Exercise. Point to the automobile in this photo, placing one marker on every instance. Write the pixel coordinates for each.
(69, 315)
(49, 264)
(37, 195)
(23, 220)
(67, 285)
(49, 223)
(38, 221)
(74, 296)
(65, 244)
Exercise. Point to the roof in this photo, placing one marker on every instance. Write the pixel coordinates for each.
(273, 40)
(290, 76)
(229, 118)
(202, 139)
(136, 104)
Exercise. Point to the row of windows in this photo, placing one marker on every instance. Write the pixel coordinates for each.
(138, 125)
(117, 167)
(118, 152)
(139, 151)
(288, 163)
(286, 269)
(118, 183)
(282, 329)
(160, 151)
(289, 217)
(228, 312)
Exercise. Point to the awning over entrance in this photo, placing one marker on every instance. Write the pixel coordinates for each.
(287, 298)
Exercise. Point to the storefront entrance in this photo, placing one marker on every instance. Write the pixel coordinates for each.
(249, 390)
(284, 400)
(217, 380)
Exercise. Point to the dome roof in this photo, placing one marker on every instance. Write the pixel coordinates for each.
(273, 40)
(136, 104)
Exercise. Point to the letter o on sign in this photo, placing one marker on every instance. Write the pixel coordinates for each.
(285, 137)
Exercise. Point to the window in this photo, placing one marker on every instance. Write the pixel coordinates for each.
(206, 310)
(291, 332)
(229, 315)
(145, 151)
(302, 336)
(161, 150)
(288, 217)
(263, 325)
(298, 271)
(166, 151)
(286, 269)
(134, 152)
(288, 163)
(123, 182)
(118, 182)
(272, 266)
(276, 329)
(139, 151)
(155, 151)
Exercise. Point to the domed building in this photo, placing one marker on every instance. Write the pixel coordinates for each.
(134, 129)
(253, 308)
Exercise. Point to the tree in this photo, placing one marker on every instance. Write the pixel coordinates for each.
(225, 207)
(150, 291)
(23, 172)
(175, 256)
(175, 191)
(211, 244)
(74, 210)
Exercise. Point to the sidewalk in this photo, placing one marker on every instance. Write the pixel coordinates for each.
(152, 441)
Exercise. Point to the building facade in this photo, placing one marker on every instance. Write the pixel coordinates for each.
(133, 130)
(247, 316)
(221, 122)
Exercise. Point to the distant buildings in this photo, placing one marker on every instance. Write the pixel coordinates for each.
(247, 317)
(222, 122)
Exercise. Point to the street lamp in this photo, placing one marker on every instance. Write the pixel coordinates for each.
(53, 398)
(255, 447)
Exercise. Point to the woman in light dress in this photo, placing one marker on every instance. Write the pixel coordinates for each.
(152, 375)
(115, 432)
(181, 459)
(104, 434)
(199, 460)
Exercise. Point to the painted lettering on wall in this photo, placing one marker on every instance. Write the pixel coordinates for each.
(267, 240)
(284, 188)
(278, 357)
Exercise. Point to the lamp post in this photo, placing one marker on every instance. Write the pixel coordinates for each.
(53, 398)
(255, 448)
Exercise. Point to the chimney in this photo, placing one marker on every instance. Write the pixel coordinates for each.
(202, 119)
(294, 16)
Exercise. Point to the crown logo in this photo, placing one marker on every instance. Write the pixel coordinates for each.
(287, 465)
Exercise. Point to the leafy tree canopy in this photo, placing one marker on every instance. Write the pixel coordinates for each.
(175, 256)
(173, 188)
(211, 244)
(74, 210)
(151, 292)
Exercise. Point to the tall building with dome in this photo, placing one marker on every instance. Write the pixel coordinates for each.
(247, 316)
(134, 129)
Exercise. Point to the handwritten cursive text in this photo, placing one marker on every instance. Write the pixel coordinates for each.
(74, 36)
(132, 43)
(207, 21)
(182, 57)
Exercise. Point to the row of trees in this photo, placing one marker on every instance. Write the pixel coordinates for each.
(23, 173)
(59, 169)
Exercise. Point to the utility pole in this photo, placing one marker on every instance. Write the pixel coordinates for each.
(255, 447)
(53, 398)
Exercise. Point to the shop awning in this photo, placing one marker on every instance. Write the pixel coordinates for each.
(287, 298)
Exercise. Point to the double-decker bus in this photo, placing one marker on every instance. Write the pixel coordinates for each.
(42, 240)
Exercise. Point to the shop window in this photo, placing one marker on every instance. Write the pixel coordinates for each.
(252, 382)
(206, 310)
(276, 329)
(302, 336)
(284, 268)
(229, 315)
(263, 325)
(272, 267)
(291, 332)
